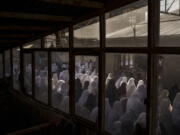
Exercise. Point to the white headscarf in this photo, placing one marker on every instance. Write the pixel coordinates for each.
(140, 82)
(109, 77)
(120, 81)
(131, 87)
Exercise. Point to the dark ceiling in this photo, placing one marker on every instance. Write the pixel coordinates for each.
(22, 21)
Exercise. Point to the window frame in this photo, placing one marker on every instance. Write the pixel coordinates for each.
(151, 50)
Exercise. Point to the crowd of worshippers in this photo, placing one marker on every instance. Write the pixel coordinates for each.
(125, 102)
(125, 106)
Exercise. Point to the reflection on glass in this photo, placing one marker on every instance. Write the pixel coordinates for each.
(41, 76)
(50, 41)
(63, 38)
(7, 64)
(28, 73)
(169, 94)
(127, 26)
(60, 81)
(170, 6)
(86, 34)
(86, 87)
(34, 44)
(1, 66)
(125, 111)
(16, 68)
(169, 24)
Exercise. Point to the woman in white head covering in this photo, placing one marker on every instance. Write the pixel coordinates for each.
(109, 77)
(140, 82)
(131, 87)
(61, 88)
(135, 103)
(176, 113)
(120, 81)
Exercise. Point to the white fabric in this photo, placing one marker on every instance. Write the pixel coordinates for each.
(131, 87)
(109, 77)
(120, 81)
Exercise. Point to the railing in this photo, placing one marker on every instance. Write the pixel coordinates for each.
(42, 129)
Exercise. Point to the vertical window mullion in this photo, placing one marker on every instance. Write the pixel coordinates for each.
(101, 115)
(71, 73)
(11, 65)
(153, 41)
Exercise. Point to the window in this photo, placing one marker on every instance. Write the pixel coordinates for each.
(16, 68)
(127, 26)
(7, 64)
(41, 76)
(1, 66)
(86, 34)
(60, 80)
(63, 38)
(169, 93)
(125, 91)
(33, 44)
(50, 41)
(169, 25)
(28, 73)
(86, 87)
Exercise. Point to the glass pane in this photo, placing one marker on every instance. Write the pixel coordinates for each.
(34, 44)
(60, 81)
(63, 38)
(86, 87)
(170, 6)
(86, 34)
(50, 41)
(127, 26)
(28, 73)
(169, 24)
(7, 64)
(125, 109)
(41, 76)
(1, 66)
(169, 94)
(16, 68)
(162, 5)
